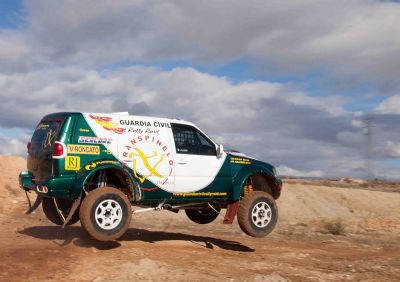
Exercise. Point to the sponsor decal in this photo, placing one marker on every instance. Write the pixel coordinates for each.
(84, 130)
(72, 163)
(49, 140)
(94, 140)
(106, 151)
(144, 123)
(134, 122)
(144, 127)
(145, 159)
(42, 126)
(236, 160)
(83, 149)
(93, 165)
(152, 157)
(200, 194)
(108, 124)
(138, 130)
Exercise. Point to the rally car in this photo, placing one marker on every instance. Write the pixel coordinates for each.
(102, 168)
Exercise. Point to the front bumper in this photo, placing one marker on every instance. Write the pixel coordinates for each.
(59, 186)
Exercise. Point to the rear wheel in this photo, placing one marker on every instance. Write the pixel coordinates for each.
(203, 216)
(106, 213)
(50, 205)
(257, 214)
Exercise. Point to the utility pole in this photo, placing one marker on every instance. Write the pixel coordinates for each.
(369, 134)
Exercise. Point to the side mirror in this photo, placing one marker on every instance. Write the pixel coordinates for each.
(220, 150)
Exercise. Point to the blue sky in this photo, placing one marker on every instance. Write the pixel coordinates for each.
(274, 79)
(11, 14)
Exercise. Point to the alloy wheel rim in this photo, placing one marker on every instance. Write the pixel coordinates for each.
(108, 214)
(261, 214)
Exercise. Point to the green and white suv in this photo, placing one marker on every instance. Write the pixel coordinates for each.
(96, 167)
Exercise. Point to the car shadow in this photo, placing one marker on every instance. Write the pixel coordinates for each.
(79, 237)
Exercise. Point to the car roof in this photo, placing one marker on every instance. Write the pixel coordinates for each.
(121, 115)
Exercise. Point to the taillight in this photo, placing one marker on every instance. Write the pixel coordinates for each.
(59, 150)
(28, 147)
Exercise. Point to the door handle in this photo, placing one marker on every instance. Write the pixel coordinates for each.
(181, 162)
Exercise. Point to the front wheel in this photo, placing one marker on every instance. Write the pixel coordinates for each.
(105, 213)
(202, 216)
(257, 214)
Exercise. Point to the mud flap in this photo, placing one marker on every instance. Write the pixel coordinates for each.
(73, 209)
(35, 205)
(231, 211)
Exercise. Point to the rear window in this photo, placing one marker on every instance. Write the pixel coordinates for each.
(46, 134)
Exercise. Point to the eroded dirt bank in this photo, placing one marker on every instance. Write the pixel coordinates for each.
(168, 246)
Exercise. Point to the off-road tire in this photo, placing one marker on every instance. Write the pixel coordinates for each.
(107, 206)
(202, 216)
(257, 214)
(64, 205)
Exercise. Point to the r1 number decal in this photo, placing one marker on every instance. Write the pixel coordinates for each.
(72, 163)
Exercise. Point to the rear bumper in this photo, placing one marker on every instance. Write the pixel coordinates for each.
(59, 186)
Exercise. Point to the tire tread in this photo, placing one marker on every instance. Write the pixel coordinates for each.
(86, 207)
(244, 209)
(196, 217)
(49, 210)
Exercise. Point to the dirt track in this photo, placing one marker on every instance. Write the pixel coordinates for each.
(167, 246)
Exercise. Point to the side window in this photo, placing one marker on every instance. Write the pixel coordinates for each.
(188, 140)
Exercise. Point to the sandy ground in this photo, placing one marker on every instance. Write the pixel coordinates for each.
(167, 246)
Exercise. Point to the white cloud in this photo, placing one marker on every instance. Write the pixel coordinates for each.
(59, 61)
(388, 149)
(15, 53)
(262, 119)
(350, 138)
(390, 105)
(353, 40)
(392, 149)
(287, 171)
(11, 48)
(13, 145)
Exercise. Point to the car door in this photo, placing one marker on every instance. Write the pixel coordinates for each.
(196, 162)
(146, 148)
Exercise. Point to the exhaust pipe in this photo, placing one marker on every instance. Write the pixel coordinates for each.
(42, 189)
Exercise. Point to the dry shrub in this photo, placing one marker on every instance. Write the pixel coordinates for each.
(335, 227)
